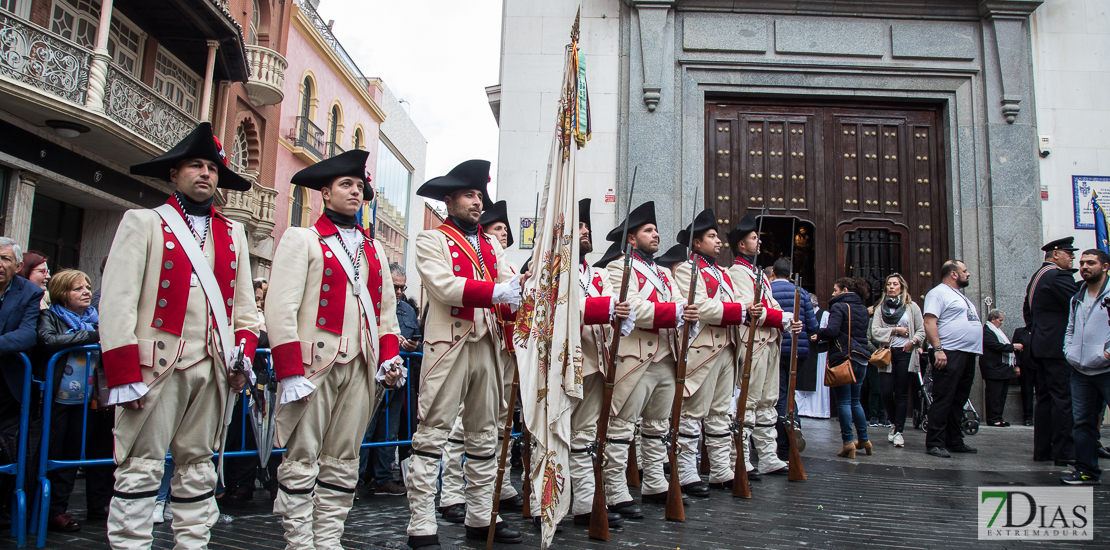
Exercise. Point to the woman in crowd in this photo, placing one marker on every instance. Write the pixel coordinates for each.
(36, 270)
(998, 366)
(898, 325)
(846, 333)
(70, 321)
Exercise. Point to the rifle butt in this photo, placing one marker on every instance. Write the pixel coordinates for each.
(704, 467)
(675, 510)
(632, 472)
(797, 472)
(741, 488)
(599, 515)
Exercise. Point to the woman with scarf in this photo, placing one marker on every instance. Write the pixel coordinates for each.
(898, 325)
(70, 321)
(997, 365)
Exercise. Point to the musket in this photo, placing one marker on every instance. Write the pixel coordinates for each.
(740, 486)
(599, 514)
(236, 366)
(675, 510)
(796, 472)
(632, 470)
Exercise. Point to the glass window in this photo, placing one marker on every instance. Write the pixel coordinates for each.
(176, 83)
(252, 30)
(76, 20)
(240, 155)
(296, 207)
(56, 231)
(306, 99)
(125, 44)
(393, 180)
(358, 138)
(333, 129)
(5, 176)
(18, 7)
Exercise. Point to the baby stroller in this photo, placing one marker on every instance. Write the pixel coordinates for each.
(969, 420)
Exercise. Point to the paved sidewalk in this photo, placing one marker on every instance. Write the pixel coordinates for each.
(896, 498)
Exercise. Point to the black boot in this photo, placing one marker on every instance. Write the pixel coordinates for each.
(515, 504)
(502, 533)
(627, 509)
(584, 519)
(454, 513)
(428, 542)
(696, 489)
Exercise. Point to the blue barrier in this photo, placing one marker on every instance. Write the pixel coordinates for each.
(19, 467)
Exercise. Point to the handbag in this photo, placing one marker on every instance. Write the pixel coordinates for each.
(881, 358)
(842, 373)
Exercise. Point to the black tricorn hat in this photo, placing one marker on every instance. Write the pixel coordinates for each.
(643, 214)
(323, 173)
(1064, 244)
(584, 216)
(199, 144)
(497, 213)
(613, 253)
(674, 255)
(703, 222)
(739, 231)
(472, 174)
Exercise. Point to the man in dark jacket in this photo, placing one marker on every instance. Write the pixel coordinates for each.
(1046, 313)
(783, 291)
(19, 317)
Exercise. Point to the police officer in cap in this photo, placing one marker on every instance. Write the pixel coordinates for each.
(1046, 315)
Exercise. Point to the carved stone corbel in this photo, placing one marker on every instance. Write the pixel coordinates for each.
(653, 23)
(1009, 20)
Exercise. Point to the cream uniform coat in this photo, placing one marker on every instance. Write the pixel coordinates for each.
(301, 314)
(768, 331)
(652, 298)
(596, 330)
(155, 320)
(720, 312)
(459, 306)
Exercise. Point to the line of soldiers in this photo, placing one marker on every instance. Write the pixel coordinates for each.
(182, 326)
(469, 361)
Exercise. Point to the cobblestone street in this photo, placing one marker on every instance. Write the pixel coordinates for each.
(896, 498)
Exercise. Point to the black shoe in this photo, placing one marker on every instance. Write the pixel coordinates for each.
(515, 504)
(614, 519)
(661, 498)
(97, 514)
(962, 448)
(627, 509)
(1104, 452)
(1064, 462)
(1028, 422)
(696, 489)
(754, 475)
(454, 513)
(502, 533)
(536, 522)
(428, 542)
(726, 485)
(939, 451)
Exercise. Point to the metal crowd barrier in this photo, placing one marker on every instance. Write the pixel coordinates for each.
(41, 501)
(19, 467)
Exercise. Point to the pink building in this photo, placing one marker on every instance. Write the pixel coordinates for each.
(329, 108)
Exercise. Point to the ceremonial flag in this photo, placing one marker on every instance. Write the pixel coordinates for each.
(1102, 231)
(548, 336)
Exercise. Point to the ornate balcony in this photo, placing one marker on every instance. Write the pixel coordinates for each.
(332, 149)
(254, 209)
(308, 141)
(267, 79)
(30, 55)
(136, 107)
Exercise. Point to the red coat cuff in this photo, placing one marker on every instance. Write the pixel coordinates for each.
(477, 294)
(734, 314)
(287, 360)
(389, 346)
(665, 316)
(773, 319)
(597, 311)
(252, 342)
(121, 365)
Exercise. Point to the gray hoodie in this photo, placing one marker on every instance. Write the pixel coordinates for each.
(1088, 335)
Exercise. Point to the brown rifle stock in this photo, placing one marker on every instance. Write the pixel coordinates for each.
(796, 472)
(632, 471)
(501, 460)
(675, 510)
(740, 486)
(526, 479)
(599, 514)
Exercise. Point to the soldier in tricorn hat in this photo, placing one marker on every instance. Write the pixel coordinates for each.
(179, 300)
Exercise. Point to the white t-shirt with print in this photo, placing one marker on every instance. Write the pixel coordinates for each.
(958, 323)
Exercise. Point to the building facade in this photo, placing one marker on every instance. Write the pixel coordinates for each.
(401, 155)
(331, 108)
(874, 137)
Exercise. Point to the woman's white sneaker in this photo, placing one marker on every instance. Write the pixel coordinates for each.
(899, 441)
(890, 436)
(159, 512)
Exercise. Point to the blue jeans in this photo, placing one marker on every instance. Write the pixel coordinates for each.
(1088, 393)
(377, 462)
(848, 409)
(164, 488)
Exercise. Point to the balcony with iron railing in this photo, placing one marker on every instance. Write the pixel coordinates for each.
(308, 141)
(332, 149)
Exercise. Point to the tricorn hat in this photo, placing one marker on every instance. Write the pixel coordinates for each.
(1064, 244)
(674, 255)
(702, 222)
(199, 144)
(584, 216)
(323, 173)
(643, 214)
(611, 254)
(739, 231)
(472, 174)
(497, 213)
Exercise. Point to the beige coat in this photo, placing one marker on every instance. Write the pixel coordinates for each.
(596, 334)
(720, 313)
(768, 331)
